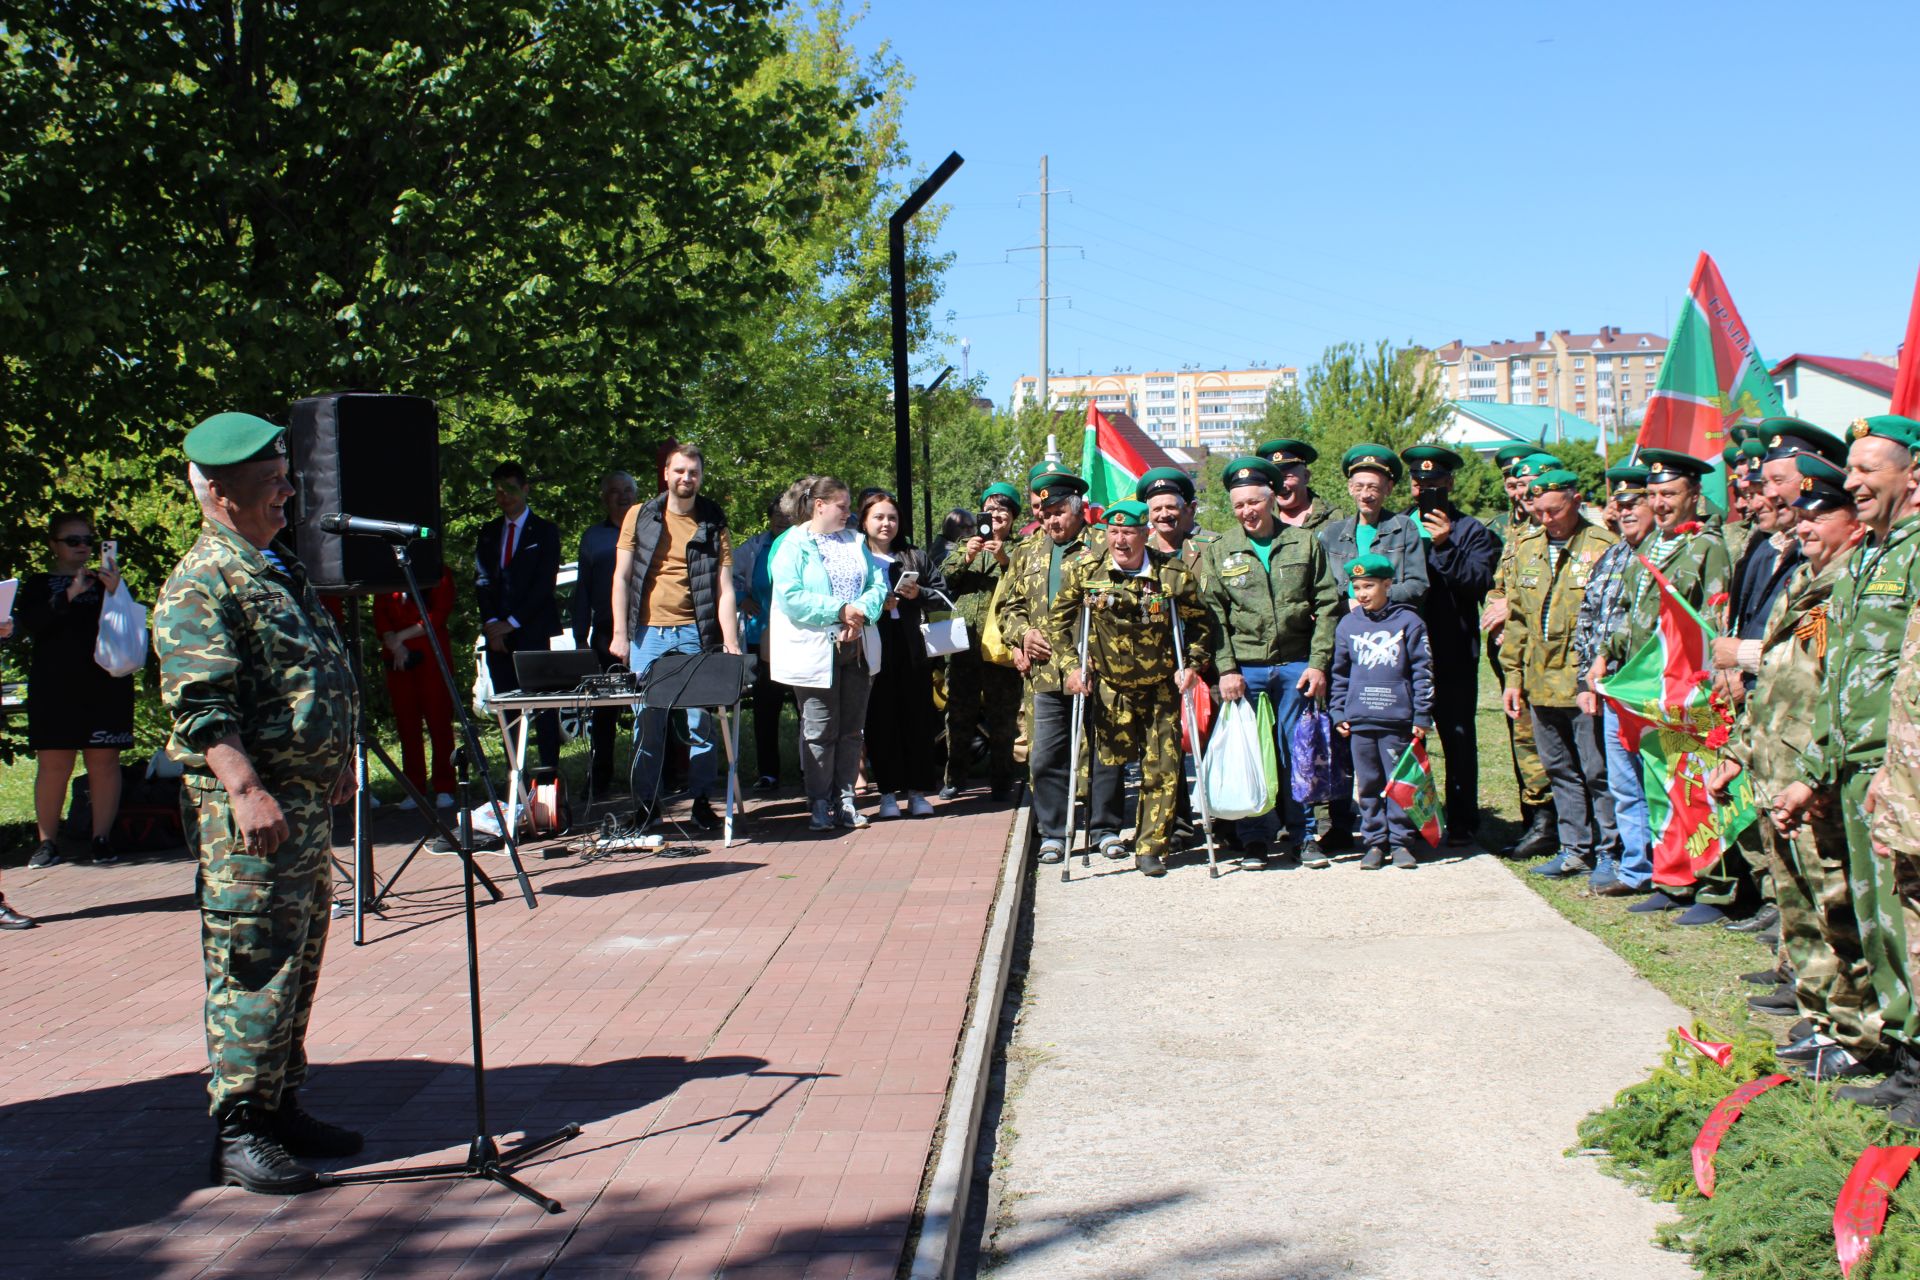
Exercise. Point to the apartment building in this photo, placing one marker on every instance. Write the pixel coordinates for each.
(1193, 408)
(1604, 377)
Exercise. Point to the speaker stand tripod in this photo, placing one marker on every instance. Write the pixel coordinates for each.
(486, 1159)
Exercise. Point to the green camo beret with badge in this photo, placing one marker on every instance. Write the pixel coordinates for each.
(227, 439)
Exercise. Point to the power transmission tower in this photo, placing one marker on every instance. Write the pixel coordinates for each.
(1043, 248)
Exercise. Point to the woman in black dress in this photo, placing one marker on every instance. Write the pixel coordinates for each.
(74, 708)
(903, 726)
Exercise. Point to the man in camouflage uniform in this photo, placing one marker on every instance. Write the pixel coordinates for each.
(1546, 585)
(1168, 493)
(1694, 561)
(1866, 622)
(1131, 596)
(264, 710)
(1033, 578)
(1540, 830)
(1271, 592)
(1831, 985)
(981, 692)
(1893, 801)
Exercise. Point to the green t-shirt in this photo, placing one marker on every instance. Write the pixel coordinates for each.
(1363, 536)
(1262, 547)
(1055, 553)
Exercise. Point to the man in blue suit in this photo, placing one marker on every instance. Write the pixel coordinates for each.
(517, 562)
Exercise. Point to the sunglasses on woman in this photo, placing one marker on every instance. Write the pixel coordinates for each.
(78, 539)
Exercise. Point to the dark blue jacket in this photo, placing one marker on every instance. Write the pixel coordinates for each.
(1459, 575)
(1382, 670)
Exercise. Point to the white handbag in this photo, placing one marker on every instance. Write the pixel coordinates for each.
(944, 635)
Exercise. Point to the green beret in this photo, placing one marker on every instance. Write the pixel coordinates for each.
(1370, 566)
(1370, 457)
(1507, 454)
(1165, 480)
(1126, 514)
(1425, 460)
(1242, 472)
(1001, 489)
(1888, 426)
(1823, 486)
(1554, 480)
(1284, 452)
(1786, 437)
(1626, 478)
(1535, 464)
(1053, 484)
(228, 438)
(1670, 464)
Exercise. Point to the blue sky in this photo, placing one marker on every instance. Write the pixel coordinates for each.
(1255, 181)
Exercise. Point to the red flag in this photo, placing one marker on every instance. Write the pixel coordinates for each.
(1906, 383)
(1860, 1212)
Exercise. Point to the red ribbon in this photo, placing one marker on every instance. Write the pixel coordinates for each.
(1861, 1211)
(1725, 1112)
(1720, 1054)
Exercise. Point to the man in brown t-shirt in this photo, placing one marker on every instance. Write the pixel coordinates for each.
(673, 593)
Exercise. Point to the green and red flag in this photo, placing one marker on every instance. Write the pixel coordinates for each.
(1906, 383)
(1673, 720)
(1411, 787)
(1712, 379)
(1110, 465)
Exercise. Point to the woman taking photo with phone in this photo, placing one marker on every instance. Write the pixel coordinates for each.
(74, 708)
(902, 726)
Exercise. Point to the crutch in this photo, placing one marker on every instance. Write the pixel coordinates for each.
(1199, 748)
(1078, 720)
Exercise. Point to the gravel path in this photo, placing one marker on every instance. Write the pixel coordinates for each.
(1297, 1074)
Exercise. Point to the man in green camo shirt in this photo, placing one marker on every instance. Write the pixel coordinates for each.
(981, 692)
(1866, 621)
(264, 709)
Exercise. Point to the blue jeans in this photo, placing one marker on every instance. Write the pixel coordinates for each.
(1279, 683)
(656, 642)
(1629, 807)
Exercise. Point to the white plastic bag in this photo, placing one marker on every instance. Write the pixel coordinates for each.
(1236, 781)
(943, 634)
(121, 649)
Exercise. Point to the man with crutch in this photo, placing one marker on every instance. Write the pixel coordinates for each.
(1130, 677)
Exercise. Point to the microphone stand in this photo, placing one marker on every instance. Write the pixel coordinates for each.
(486, 1160)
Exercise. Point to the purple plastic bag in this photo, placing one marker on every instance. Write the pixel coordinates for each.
(1312, 750)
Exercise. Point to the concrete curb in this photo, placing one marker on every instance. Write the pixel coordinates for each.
(938, 1248)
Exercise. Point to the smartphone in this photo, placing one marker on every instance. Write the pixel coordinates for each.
(1432, 502)
(907, 578)
(983, 525)
(110, 556)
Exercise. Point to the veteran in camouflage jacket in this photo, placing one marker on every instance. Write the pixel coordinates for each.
(264, 709)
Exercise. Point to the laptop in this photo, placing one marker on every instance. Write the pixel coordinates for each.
(554, 670)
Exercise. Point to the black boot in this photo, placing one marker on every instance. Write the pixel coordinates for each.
(304, 1135)
(246, 1154)
(1541, 836)
(1896, 1088)
(11, 919)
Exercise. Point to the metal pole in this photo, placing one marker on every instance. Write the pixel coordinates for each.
(897, 304)
(926, 452)
(1045, 405)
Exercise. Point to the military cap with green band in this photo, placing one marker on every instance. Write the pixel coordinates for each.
(1164, 480)
(1424, 460)
(1126, 514)
(1670, 464)
(1887, 426)
(1554, 480)
(1055, 484)
(1242, 472)
(1823, 486)
(1626, 478)
(1535, 464)
(226, 439)
(1370, 566)
(1786, 437)
(1371, 457)
(1507, 454)
(1000, 489)
(1284, 452)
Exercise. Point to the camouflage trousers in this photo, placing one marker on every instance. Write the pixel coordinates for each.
(1818, 932)
(1143, 724)
(981, 693)
(1878, 911)
(1529, 771)
(1722, 884)
(263, 930)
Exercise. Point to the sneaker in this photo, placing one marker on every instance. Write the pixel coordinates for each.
(917, 805)
(1312, 855)
(1053, 851)
(1700, 913)
(1655, 901)
(1113, 848)
(1606, 869)
(1373, 859)
(102, 854)
(820, 817)
(47, 855)
(850, 816)
(1254, 857)
(889, 807)
(766, 782)
(444, 800)
(949, 792)
(1403, 859)
(407, 805)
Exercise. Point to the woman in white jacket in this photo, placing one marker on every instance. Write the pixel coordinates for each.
(826, 595)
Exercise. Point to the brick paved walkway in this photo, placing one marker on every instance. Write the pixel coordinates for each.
(757, 1042)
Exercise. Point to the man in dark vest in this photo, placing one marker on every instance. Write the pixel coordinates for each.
(673, 593)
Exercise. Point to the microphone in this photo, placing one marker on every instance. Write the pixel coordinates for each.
(391, 530)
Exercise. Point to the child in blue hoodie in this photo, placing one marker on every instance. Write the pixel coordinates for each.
(1382, 697)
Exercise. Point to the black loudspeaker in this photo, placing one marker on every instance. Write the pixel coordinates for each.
(364, 454)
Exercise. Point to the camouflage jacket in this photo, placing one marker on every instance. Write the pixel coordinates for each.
(1023, 601)
(1283, 612)
(1397, 537)
(1320, 513)
(1896, 815)
(1777, 719)
(972, 580)
(1544, 596)
(1866, 622)
(1695, 563)
(1129, 620)
(247, 649)
(1509, 526)
(1190, 550)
